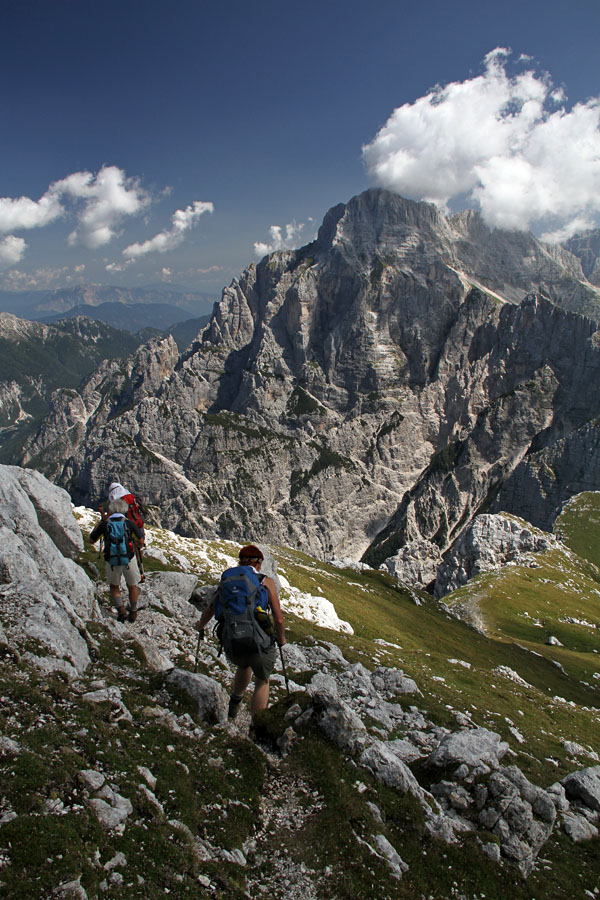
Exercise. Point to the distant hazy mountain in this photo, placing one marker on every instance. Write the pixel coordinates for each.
(128, 316)
(38, 304)
(37, 359)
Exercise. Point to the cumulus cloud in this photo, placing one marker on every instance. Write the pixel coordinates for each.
(12, 250)
(99, 202)
(107, 198)
(181, 222)
(287, 238)
(506, 144)
(21, 212)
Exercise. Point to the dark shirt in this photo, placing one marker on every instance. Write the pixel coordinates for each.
(130, 527)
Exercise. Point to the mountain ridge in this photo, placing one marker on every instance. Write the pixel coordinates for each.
(334, 382)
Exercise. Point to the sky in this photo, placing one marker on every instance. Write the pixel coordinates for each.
(148, 142)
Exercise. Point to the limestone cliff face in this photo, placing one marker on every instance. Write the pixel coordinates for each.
(375, 387)
(586, 247)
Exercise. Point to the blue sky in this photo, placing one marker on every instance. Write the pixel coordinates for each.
(157, 141)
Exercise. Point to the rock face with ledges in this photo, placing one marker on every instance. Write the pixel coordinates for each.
(490, 542)
(375, 388)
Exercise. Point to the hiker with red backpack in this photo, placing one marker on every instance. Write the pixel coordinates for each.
(135, 513)
(119, 535)
(241, 605)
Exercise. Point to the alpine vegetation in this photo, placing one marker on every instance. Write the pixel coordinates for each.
(404, 753)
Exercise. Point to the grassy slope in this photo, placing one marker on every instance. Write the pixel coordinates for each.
(221, 803)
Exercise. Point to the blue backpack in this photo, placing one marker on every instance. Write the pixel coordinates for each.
(117, 542)
(239, 597)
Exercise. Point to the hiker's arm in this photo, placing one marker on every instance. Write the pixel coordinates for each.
(97, 532)
(206, 616)
(276, 608)
(138, 532)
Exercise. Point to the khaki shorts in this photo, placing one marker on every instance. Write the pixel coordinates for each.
(131, 573)
(262, 664)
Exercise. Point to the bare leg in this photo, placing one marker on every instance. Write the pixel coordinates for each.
(115, 596)
(133, 599)
(241, 680)
(260, 697)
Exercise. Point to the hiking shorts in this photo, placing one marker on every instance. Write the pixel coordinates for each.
(131, 573)
(262, 664)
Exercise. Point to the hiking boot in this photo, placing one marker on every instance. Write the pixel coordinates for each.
(121, 614)
(234, 706)
(133, 611)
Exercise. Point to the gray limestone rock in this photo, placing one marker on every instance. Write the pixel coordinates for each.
(206, 692)
(416, 563)
(472, 747)
(578, 827)
(520, 814)
(53, 508)
(112, 809)
(489, 542)
(391, 682)
(111, 695)
(389, 769)
(584, 786)
(44, 596)
(396, 863)
(171, 591)
(70, 890)
(338, 721)
(8, 747)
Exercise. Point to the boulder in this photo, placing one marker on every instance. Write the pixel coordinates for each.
(208, 694)
(520, 814)
(389, 769)
(54, 510)
(584, 786)
(338, 721)
(472, 747)
(172, 592)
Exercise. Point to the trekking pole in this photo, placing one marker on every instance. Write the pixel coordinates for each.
(287, 684)
(138, 554)
(200, 636)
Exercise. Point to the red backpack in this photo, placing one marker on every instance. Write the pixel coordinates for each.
(134, 513)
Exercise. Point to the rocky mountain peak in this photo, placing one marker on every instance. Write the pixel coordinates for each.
(378, 386)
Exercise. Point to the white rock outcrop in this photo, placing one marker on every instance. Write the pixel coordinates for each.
(489, 542)
(44, 595)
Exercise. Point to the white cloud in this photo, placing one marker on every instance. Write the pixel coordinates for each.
(108, 198)
(100, 202)
(502, 143)
(280, 240)
(12, 250)
(181, 222)
(22, 212)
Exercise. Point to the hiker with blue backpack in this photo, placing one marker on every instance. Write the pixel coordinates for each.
(243, 605)
(119, 535)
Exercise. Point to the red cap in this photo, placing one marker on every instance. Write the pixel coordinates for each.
(250, 551)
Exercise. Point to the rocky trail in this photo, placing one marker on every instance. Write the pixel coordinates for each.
(358, 765)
